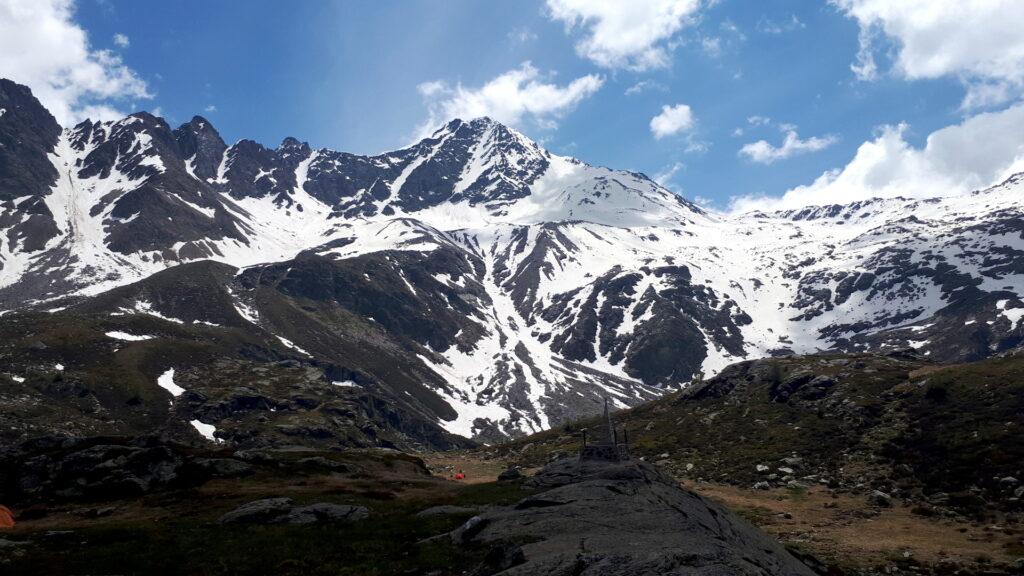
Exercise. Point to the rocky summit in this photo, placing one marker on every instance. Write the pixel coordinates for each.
(474, 281)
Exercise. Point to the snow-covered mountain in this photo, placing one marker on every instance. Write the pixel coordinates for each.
(502, 288)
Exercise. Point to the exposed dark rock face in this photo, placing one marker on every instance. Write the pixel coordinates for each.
(619, 518)
(90, 468)
(64, 470)
(201, 146)
(28, 133)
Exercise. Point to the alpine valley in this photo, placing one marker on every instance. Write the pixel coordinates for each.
(470, 286)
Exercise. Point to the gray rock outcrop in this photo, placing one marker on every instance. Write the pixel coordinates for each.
(620, 518)
(284, 511)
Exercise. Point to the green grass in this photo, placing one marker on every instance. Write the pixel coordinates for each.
(390, 541)
(385, 543)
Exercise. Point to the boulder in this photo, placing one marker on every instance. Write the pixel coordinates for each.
(445, 511)
(222, 467)
(284, 511)
(510, 475)
(321, 463)
(879, 498)
(266, 511)
(325, 512)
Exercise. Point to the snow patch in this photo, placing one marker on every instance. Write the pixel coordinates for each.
(207, 430)
(166, 381)
(118, 335)
(292, 345)
(145, 307)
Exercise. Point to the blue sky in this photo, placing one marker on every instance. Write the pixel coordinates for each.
(356, 76)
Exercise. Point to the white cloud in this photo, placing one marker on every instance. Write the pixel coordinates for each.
(514, 97)
(672, 120)
(980, 151)
(763, 152)
(977, 41)
(635, 35)
(121, 40)
(42, 47)
(730, 27)
(768, 26)
(522, 35)
(711, 45)
(645, 86)
(210, 108)
(665, 176)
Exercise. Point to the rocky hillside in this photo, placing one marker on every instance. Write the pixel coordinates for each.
(497, 288)
(894, 427)
(86, 375)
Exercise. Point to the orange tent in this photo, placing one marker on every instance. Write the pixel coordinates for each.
(6, 517)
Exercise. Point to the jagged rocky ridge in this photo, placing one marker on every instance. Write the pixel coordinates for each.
(502, 289)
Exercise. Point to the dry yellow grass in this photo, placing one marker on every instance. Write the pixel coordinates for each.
(842, 531)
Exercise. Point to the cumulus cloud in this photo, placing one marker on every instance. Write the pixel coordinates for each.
(517, 96)
(42, 47)
(121, 40)
(980, 151)
(672, 120)
(978, 41)
(635, 35)
(763, 152)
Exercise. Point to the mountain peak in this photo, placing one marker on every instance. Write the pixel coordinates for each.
(484, 121)
(199, 123)
(293, 144)
(200, 143)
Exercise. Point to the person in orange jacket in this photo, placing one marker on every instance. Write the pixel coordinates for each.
(460, 475)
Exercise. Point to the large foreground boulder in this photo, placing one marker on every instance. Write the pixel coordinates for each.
(621, 518)
(284, 511)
